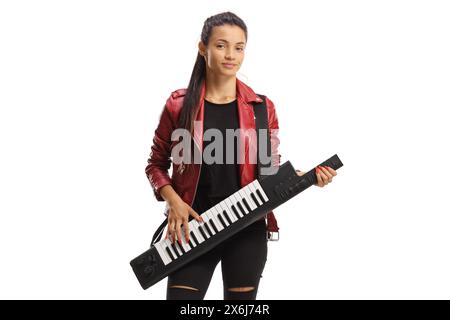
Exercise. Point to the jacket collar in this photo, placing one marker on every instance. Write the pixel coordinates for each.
(243, 91)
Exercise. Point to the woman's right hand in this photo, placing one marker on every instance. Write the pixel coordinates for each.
(179, 212)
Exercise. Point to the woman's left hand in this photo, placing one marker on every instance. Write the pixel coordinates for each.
(324, 175)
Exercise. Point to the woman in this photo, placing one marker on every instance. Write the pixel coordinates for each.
(217, 100)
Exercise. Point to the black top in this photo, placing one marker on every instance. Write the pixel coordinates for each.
(218, 179)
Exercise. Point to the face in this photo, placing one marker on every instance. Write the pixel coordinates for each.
(226, 46)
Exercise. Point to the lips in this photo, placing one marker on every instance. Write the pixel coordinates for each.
(228, 65)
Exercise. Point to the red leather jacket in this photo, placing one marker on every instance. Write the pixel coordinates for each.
(185, 182)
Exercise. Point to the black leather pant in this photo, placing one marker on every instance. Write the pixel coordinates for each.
(243, 257)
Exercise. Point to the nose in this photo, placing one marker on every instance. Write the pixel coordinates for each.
(229, 54)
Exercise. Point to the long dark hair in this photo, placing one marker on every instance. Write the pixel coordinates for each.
(191, 99)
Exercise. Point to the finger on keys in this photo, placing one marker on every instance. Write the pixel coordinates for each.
(179, 231)
(186, 229)
(171, 231)
(196, 215)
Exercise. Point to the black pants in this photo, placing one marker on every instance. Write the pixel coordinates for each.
(243, 257)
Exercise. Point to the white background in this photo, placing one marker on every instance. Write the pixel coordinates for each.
(82, 85)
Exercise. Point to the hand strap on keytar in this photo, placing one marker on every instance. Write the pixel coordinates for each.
(158, 233)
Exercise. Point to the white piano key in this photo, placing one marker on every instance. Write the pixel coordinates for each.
(246, 197)
(227, 206)
(200, 237)
(230, 211)
(197, 232)
(187, 243)
(209, 218)
(168, 244)
(253, 190)
(206, 218)
(238, 198)
(183, 241)
(216, 221)
(193, 228)
(171, 248)
(258, 186)
(162, 254)
(177, 247)
(216, 216)
(249, 199)
(222, 207)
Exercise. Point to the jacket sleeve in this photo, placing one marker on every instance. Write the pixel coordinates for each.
(159, 160)
(273, 131)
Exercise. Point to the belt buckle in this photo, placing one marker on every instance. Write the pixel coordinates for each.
(270, 235)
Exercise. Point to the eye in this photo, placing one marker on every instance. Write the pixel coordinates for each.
(222, 45)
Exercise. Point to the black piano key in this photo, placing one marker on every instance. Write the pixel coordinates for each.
(202, 232)
(240, 208)
(258, 203)
(194, 238)
(225, 213)
(175, 250)
(208, 229)
(214, 226)
(190, 244)
(246, 205)
(235, 211)
(170, 253)
(260, 196)
(221, 221)
(181, 248)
